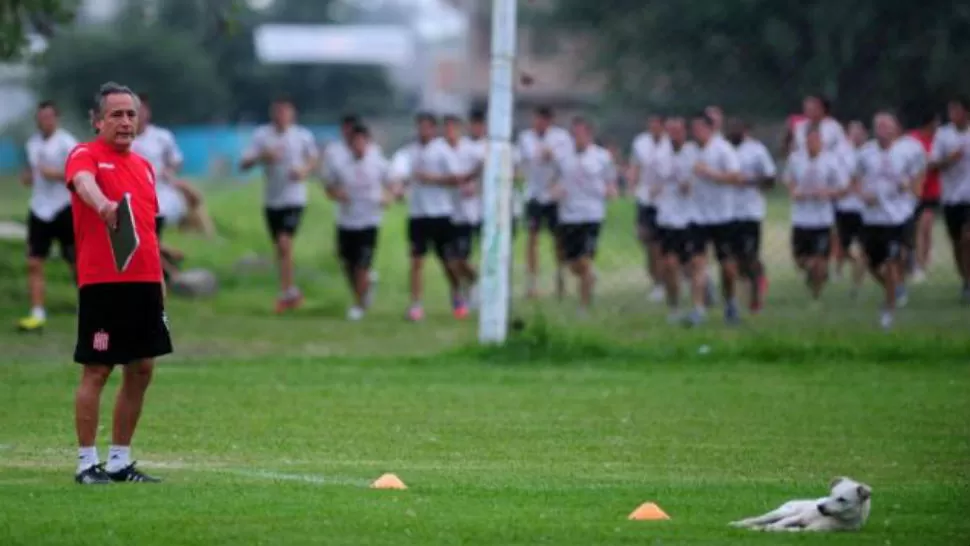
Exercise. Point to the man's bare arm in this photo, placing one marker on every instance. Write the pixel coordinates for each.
(86, 187)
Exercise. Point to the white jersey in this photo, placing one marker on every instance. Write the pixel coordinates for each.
(756, 164)
(294, 147)
(158, 146)
(49, 197)
(806, 174)
(830, 131)
(850, 158)
(364, 179)
(337, 153)
(436, 158)
(714, 201)
(646, 154)
(955, 179)
(539, 170)
(471, 157)
(584, 177)
(887, 174)
(675, 208)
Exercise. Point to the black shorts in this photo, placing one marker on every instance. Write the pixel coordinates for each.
(463, 240)
(538, 214)
(747, 240)
(284, 221)
(811, 242)
(848, 225)
(883, 243)
(957, 219)
(41, 235)
(425, 233)
(579, 240)
(356, 246)
(647, 223)
(683, 242)
(909, 233)
(721, 236)
(119, 323)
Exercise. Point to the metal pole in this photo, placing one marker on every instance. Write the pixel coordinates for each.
(497, 180)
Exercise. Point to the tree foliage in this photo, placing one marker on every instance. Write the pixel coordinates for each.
(19, 17)
(760, 55)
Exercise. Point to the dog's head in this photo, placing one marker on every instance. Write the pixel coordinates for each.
(848, 500)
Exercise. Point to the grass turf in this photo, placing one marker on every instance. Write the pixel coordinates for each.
(267, 429)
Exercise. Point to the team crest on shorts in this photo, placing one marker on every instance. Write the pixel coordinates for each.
(100, 341)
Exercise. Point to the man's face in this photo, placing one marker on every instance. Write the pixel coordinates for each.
(427, 130)
(282, 113)
(119, 118)
(347, 130)
(476, 129)
(885, 128)
(702, 130)
(582, 134)
(858, 134)
(812, 108)
(655, 125)
(452, 130)
(957, 113)
(677, 131)
(358, 143)
(47, 120)
(735, 131)
(716, 115)
(814, 142)
(540, 123)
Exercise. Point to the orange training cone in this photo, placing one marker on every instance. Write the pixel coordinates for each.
(388, 481)
(648, 511)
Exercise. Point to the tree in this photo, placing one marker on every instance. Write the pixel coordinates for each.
(763, 55)
(19, 17)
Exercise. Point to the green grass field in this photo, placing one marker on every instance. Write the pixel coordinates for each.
(268, 429)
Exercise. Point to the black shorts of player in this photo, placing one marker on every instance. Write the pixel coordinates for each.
(927, 205)
(41, 235)
(647, 223)
(579, 240)
(119, 323)
(356, 247)
(848, 225)
(957, 219)
(811, 242)
(747, 240)
(427, 233)
(284, 221)
(538, 215)
(883, 243)
(721, 236)
(684, 243)
(159, 226)
(909, 233)
(463, 240)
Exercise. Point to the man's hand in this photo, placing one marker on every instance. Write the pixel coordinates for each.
(684, 188)
(26, 177)
(546, 154)
(701, 169)
(612, 192)
(955, 157)
(297, 174)
(51, 173)
(269, 156)
(469, 189)
(869, 199)
(557, 192)
(109, 213)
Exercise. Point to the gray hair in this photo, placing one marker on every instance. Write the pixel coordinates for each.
(108, 89)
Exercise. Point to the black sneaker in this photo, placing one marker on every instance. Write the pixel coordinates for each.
(93, 475)
(131, 474)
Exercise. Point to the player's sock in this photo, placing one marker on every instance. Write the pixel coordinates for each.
(118, 458)
(38, 313)
(86, 458)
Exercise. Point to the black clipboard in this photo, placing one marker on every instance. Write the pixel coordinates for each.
(124, 237)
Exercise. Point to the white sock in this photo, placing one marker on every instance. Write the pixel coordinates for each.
(38, 313)
(118, 458)
(86, 458)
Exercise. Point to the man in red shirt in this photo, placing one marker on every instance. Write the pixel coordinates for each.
(929, 200)
(121, 314)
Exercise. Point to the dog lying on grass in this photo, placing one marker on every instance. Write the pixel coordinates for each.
(845, 509)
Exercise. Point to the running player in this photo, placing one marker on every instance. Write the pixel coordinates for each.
(361, 188)
(718, 168)
(434, 175)
(675, 215)
(758, 174)
(929, 200)
(49, 218)
(584, 180)
(288, 154)
(467, 218)
(848, 212)
(537, 149)
(814, 179)
(816, 109)
(888, 179)
(647, 149)
(951, 155)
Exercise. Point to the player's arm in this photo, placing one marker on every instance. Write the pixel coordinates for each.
(26, 177)
(940, 156)
(610, 175)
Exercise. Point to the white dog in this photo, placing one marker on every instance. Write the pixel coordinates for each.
(845, 509)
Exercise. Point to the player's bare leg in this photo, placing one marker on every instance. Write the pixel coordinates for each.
(924, 243)
(87, 403)
(698, 288)
(136, 378)
(415, 311)
(729, 275)
(532, 263)
(670, 271)
(290, 297)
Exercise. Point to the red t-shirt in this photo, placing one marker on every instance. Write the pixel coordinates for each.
(931, 186)
(117, 173)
